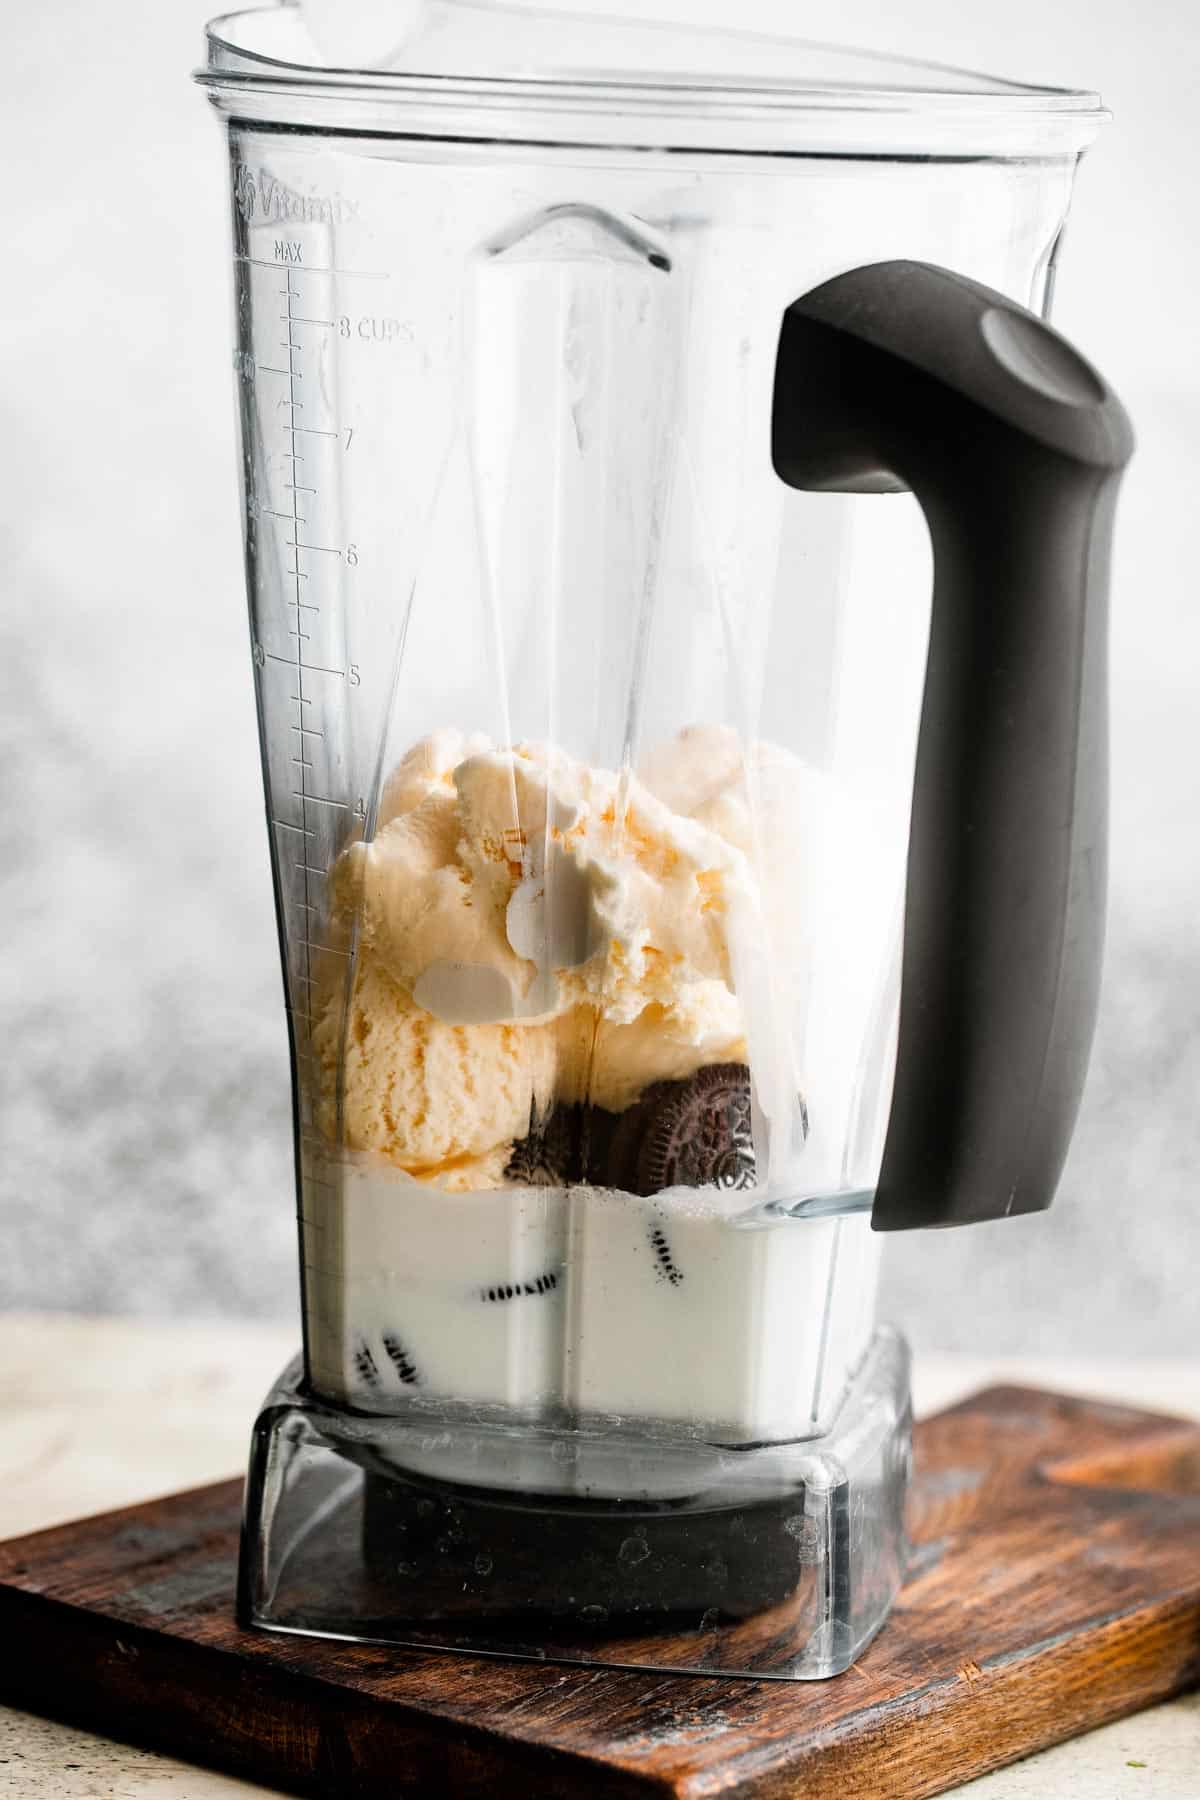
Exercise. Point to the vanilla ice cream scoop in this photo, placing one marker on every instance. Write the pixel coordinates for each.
(532, 930)
(427, 769)
(526, 883)
(430, 1097)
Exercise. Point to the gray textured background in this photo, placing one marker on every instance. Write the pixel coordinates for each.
(144, 1099)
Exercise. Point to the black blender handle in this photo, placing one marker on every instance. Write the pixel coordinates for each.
(906, 375)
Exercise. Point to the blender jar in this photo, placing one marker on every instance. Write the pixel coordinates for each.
(590, 667)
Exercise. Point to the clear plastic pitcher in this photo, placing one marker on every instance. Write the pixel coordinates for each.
(631, 979)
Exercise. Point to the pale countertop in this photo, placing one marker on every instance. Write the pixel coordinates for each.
(98, 1413)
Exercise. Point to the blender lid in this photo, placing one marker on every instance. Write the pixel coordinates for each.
(492, 71)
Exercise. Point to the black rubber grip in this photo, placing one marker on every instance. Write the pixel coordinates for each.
(905, 375)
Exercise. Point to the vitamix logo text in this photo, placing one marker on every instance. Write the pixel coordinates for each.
(262, 199)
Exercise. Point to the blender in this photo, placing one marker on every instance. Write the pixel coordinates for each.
(677, 556)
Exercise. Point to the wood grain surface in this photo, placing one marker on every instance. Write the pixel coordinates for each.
(1054, 1583)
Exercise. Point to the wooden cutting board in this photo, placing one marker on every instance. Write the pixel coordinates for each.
(1054, 1584)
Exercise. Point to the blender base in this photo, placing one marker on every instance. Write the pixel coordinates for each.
(779, 1559)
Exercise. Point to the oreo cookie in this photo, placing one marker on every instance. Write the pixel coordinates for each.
(548, 1154)
(666, 1267)
(501, 1291)
(383, 1362)
(564, 1147)
(401, 1360)
(693, 1133)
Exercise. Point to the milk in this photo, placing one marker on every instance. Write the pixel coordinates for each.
(685, 1313)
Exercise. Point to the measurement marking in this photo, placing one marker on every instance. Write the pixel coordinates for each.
(294, 631)
(291, 663)
(298, 404)
(316, 431)
(270, 513)
(299, 829)
(295, 485)
(301, 637)
(302, 763)
(309, 870)
(307, 730)
(266, 262)
(319, 669)
(301, 319)
(307, 908)
(319, 800)
(326, 549)
(305, 605)
(300, 576)
(298, 1012)
(325, 949)
(271, 369)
